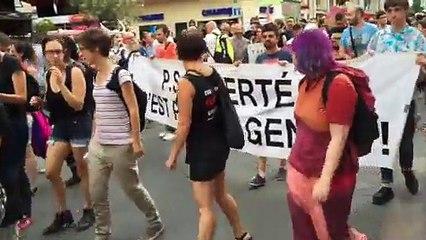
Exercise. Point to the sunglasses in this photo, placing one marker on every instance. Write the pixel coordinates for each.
(54, 51)
(268, 35)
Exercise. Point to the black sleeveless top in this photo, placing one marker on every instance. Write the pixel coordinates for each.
(57, 106)
(206, 141)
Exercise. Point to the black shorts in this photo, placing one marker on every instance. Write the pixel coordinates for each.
(76, 130)
(205, 171)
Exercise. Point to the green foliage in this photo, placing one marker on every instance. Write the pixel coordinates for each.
(417, 6)
(109, 10)
(44, 26)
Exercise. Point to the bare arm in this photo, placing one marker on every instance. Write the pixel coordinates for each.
(75, 98)
(340, 110)
(132, 106)
(20, 88)
(339, 134)
(185, 95)
(94, 125)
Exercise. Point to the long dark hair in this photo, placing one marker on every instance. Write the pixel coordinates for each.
(27, 51)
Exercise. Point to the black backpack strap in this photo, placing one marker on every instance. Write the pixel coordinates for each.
(131, 54)
(352, 41)
(327, 83)
(122, 53)
(68, 74)
(223, 45)
(114, 83)
(301, 82)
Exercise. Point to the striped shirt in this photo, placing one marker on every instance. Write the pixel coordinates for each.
(112, 119)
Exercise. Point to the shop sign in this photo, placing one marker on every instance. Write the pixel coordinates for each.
(231, 11)
(151, 17)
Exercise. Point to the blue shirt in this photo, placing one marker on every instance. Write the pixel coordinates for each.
(147, 51)
(361, 37)
(408, 40)
(273, 58)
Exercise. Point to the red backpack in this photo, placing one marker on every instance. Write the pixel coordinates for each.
(364, 130)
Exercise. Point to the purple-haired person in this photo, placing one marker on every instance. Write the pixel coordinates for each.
(323, 163)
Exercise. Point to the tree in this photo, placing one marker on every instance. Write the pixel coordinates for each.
(41, 29)
(417, 6)
(109, 10)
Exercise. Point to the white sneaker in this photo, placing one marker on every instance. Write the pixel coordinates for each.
(162, 134)
(169, 137)
(41, 165)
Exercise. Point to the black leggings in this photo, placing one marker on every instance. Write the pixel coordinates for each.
(17, 187)
(12, 173)
(70, 161)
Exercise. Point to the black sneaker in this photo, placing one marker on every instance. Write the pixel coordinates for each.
(257, 182)
(411, 182)
(74, 180)
(34, 191)
(281, 174)
(86, 221)
(61, 222)
(384, 195)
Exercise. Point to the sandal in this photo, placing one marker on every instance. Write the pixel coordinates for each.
(244, 236)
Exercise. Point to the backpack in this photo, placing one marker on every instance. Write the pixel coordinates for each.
(124, 61)
(89, 75)
(40, 133)
(141, 96)
(364, 130)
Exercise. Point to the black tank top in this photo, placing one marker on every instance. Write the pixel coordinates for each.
(205, 133)
(58, 108)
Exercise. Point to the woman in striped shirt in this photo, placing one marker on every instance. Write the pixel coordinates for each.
(116, 138)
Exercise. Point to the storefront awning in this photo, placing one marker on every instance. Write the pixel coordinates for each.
(16, 24)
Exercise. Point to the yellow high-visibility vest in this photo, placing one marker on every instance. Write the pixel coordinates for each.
(229, 48)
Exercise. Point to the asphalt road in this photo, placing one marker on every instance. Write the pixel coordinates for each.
(264, 211)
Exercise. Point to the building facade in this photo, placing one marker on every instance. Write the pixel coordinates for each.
(178, 13)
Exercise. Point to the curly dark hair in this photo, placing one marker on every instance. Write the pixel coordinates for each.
(191, 46)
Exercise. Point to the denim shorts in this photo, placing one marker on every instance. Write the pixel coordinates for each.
(75, 130)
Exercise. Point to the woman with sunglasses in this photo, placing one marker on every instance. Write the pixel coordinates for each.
(71, 124)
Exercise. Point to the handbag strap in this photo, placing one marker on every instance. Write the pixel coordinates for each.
(217, 80)
(352, 41)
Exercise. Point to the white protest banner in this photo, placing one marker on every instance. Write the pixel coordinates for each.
(255, 50)
(264, 96)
